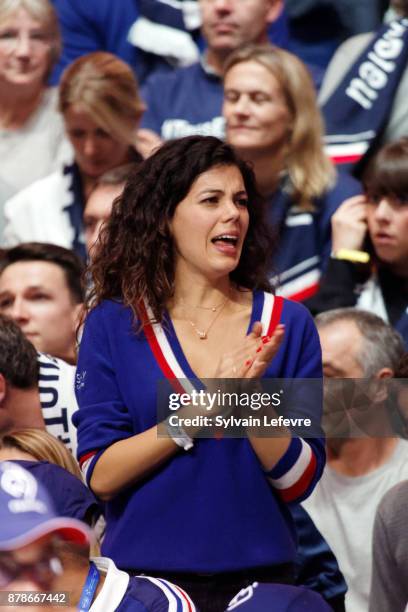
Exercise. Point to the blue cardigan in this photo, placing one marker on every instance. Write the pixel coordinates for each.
(211, 509)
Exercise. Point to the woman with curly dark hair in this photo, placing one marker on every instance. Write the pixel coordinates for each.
(181, 292)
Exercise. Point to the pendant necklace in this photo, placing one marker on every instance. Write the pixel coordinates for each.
(203, 334)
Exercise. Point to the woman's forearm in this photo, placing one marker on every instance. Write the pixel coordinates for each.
(127, 461)
(270, 450)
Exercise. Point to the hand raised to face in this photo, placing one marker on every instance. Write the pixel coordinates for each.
(349, 224)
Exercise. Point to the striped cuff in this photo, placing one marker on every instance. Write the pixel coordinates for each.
(294, 472)
(87, 464)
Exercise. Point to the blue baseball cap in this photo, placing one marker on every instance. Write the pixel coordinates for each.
(69, 495)
(27, 513)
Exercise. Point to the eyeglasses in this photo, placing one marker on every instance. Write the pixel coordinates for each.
(41, 571)
(10, 39)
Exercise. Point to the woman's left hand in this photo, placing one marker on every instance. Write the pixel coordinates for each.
(252, 356)
(265, 352)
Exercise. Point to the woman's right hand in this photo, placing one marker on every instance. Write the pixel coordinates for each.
(349, 224)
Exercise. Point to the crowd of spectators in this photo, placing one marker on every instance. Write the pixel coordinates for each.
(278, 131)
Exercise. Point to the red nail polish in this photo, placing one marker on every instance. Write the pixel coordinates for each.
(265, 339)
(258, 350)
(248, 363)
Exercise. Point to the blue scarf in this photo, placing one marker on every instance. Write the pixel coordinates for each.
(357, 111)
(75, 209)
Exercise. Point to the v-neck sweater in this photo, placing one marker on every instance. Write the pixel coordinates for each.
(212, 509)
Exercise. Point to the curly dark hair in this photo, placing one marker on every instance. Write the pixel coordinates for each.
(134, 260)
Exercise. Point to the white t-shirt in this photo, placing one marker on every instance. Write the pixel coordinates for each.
(32, 152)
(37, 148)
(57, 396)
(343, 509)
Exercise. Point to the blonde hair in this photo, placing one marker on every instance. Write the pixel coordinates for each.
(107, 89)
(44, 12)
(43, 447)
(310, 170)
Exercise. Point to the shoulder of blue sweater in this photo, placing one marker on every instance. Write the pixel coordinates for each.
(345, 180)
(295, 308)
(292, 309)
(173, 77)
(296, 314)
(113, 308)
(345, 186)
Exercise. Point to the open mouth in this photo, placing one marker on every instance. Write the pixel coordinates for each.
(227, 239)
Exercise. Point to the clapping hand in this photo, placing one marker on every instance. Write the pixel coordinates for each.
(252, 356)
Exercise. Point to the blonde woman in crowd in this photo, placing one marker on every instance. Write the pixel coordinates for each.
(32, 142)
(37, 445)
(101, 107)
(273, 121)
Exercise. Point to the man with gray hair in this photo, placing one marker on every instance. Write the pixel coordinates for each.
(364, 459)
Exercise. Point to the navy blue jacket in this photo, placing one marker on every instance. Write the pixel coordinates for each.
(304, 238)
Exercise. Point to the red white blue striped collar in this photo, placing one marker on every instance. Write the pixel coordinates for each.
(164, 352)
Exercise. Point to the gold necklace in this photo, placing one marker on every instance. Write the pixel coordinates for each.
(203, 334)
(212, 308)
